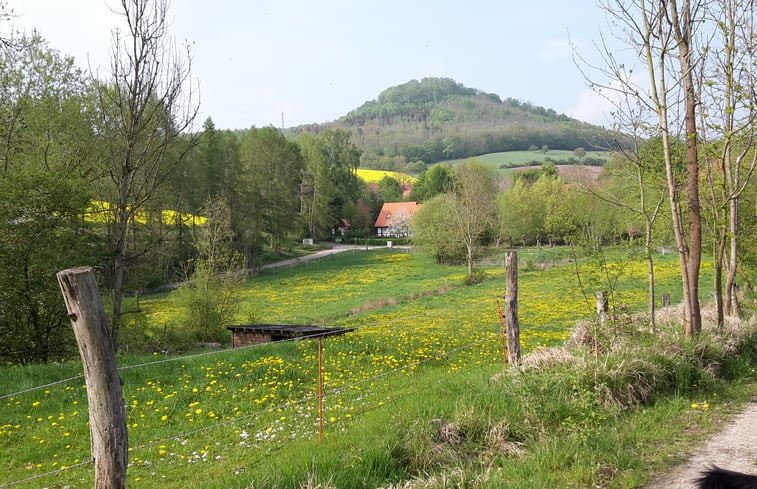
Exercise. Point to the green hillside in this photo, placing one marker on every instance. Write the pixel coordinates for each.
(440, 119)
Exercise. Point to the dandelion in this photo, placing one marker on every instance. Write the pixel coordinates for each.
(694, 405)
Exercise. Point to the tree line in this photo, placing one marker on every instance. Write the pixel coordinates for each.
(70, 138)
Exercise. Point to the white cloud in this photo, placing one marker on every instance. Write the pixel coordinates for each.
(591, 107)
(555, 49)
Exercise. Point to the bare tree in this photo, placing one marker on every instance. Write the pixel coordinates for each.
(145, 109)
(5, 14)
(663, 36)
(728, 115)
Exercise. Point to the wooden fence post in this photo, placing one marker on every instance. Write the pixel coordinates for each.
(511, 308)
(603, 306)
(107, 415)
(665, 299)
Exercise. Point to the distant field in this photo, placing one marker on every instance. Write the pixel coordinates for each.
(375, 176)
(510, 159)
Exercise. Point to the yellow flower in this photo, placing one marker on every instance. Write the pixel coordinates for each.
(694, 405)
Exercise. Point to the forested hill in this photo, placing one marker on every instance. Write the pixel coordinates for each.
(438, 119)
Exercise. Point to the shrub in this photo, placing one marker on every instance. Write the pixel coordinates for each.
(477, 276)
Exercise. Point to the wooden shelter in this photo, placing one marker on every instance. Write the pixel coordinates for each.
(253, 334)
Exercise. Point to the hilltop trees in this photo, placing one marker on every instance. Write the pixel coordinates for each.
(436, 119)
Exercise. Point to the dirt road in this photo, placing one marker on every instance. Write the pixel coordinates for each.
(734, 448)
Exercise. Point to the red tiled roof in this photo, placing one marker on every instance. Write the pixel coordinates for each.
(390, 210)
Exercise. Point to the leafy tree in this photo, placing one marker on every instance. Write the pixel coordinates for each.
(143, 110)
(474, 210)
(729, 109)
(458, 219)
(389, 189)
(530, 176)
(523, 209)
(431, 230)
(272, 171)
(434, 181)
(643, 200)
(329, 179)
(209, 298)
(46, 153)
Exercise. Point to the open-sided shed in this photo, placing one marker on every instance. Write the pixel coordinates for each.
(253, 334)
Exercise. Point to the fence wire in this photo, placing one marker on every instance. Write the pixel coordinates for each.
(434, 313)
(288, 404)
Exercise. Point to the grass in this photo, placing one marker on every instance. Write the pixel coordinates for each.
(415, 396)
(512, 159)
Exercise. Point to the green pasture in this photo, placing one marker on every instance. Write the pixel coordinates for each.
(512, 159)
(424, 349)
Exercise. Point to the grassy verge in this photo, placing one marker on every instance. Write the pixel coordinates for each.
(566, 419)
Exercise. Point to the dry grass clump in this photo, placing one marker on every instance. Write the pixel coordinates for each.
(381, 302)
(630, 382)
(628, 367)
(456, 477)
(498, 441)
(547, 357)
(582, 335)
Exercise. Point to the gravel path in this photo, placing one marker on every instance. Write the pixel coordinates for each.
(734, 448)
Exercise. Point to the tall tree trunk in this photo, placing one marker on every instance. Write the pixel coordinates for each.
(650, 273)
(682, 29)
(731, 303)
(718, 278)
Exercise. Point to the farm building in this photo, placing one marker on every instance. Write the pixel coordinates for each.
(253, 334)
(394, 219)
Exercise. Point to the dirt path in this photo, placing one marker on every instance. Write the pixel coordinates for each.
(317, 255)
(734, 448)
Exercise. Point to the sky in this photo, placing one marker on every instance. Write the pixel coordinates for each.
(314, 61)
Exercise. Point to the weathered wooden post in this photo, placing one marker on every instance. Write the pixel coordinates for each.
(511, 308)
(665, 299)
(107, 415)
(602, 306)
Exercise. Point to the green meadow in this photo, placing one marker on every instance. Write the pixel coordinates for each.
(512, 159)
(412, 394)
